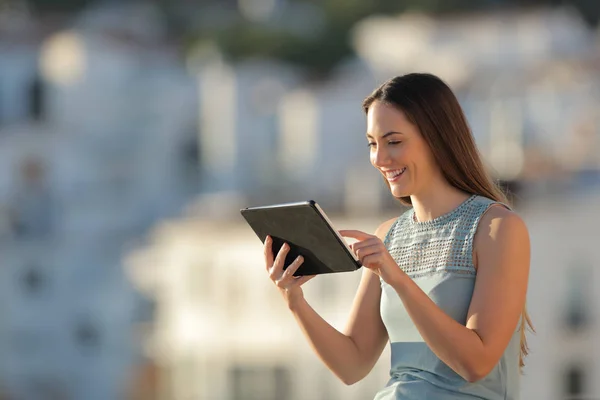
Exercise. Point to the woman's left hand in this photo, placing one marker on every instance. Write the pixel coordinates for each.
(373, 255)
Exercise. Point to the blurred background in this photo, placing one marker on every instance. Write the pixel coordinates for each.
(131, 133)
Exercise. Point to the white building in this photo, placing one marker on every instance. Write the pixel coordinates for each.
(112, 153)
(238, 120)
(323, 149)
(564, 305)
(265, 135)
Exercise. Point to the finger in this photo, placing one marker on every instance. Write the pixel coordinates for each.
(280, 260)
(359, 235)
(374, 241)
(301, 280)
(371, 261)
(290, 270)
(367, 251)
(268, 248)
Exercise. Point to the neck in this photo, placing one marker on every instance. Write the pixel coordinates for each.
(437, 201)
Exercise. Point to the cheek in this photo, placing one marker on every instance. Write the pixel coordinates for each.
(425, 163)
(401, 154)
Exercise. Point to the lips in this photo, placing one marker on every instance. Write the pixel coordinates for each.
(394, 175)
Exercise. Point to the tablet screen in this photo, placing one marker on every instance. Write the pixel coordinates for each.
(308, 231)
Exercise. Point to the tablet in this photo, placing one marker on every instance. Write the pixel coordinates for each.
(308, 231)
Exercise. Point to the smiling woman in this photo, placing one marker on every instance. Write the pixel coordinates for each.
(445, 282)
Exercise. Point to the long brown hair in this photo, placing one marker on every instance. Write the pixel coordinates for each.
(431, 105)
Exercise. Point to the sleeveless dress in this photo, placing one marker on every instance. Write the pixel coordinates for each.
(437, 255)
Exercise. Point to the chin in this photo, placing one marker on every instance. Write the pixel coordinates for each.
(399, 192)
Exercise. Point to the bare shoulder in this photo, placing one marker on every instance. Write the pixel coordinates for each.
(500, 229)
(498, 219)
(383, 229)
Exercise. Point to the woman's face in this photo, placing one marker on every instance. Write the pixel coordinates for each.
(398, 150)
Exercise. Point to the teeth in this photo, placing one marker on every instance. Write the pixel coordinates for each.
(393, 174)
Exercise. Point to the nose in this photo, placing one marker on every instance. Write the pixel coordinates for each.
(380, 157)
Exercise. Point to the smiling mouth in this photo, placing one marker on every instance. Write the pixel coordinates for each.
(394, 175)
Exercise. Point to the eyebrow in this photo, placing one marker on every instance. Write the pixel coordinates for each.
(386, 135)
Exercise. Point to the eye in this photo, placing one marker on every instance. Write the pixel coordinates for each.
(391, 142)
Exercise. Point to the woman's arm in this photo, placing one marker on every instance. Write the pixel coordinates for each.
(502, 254)
(350, 354)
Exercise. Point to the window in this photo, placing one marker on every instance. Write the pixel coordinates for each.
(36, 99)
(189, 160)
(251, 382)
(87, 334)
(33, 202)
(33, 280)
(1, 105)
(574, 382)
(577, 315)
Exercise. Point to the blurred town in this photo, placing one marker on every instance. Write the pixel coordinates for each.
(131, 133)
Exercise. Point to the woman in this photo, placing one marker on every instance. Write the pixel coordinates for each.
(445, 282)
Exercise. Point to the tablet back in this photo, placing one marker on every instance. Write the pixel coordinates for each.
(307, 230)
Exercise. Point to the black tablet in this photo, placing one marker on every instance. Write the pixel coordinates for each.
(308, 231)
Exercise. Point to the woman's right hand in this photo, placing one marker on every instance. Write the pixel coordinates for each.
(288, 284)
